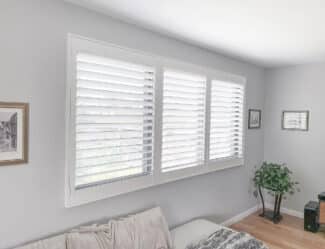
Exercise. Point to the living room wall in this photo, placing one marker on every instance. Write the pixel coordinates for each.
(33, 70)
(297, 88)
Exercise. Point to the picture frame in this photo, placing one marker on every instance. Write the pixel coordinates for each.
(295, 120)
(254, 118)
(13, 133)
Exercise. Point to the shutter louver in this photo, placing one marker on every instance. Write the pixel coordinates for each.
(226, 121)
(114, 119)
(183, 120)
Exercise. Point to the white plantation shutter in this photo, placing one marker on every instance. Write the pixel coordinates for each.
(226, 120)
(114, 119)
(111, 113)
(183, 120)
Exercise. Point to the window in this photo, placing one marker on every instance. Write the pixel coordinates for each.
(136, 120)
(226, 121)
(183, 120)
(114, 119)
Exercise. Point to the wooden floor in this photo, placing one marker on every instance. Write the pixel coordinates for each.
(288, 234)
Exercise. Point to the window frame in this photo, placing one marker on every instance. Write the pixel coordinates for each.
(76, 197)
(227, 162)
(145, 172)
(166, 69)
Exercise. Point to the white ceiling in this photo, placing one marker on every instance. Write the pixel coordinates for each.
(265, 32)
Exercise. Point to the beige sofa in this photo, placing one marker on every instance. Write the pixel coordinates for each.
(181, 236)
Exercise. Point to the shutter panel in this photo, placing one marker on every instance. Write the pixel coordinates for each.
(114, 119)
(183, 120)
(226, 121)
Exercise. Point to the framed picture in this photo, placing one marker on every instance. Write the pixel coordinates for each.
(254, 119)
(295, 120)
(13, 133)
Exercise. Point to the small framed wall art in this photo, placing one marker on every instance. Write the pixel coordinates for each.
(254, 118)
(13, 133)
(295, 120)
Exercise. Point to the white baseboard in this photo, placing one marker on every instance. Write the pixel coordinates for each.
(287, 211)
(252, 210)
(240, 216)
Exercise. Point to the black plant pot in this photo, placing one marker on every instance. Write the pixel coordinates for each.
(274, 215)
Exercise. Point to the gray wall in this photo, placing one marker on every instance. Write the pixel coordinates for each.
(297, 88)
(33, 69)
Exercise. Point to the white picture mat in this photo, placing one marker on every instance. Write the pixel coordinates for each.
(18, 154)
(295, 120)
(255, 119)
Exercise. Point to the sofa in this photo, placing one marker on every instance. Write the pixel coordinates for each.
(149, 230)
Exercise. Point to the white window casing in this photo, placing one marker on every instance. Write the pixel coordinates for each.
(129, 114)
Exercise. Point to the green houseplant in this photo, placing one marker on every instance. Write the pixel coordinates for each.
(277, 180)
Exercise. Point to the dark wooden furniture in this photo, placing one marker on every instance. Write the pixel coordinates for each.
(321, 198)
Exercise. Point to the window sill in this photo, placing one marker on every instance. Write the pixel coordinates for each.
(77, 197)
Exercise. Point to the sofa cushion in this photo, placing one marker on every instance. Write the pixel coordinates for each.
(192, 232)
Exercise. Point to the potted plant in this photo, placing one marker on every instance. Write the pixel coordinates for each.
(277, 180)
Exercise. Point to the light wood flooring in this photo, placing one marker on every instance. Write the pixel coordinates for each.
(288, 234)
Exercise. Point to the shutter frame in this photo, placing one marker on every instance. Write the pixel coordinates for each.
(226, 136)
(184, 120)
(104, 123)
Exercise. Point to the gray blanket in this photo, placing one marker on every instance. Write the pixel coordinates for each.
(228, 239)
